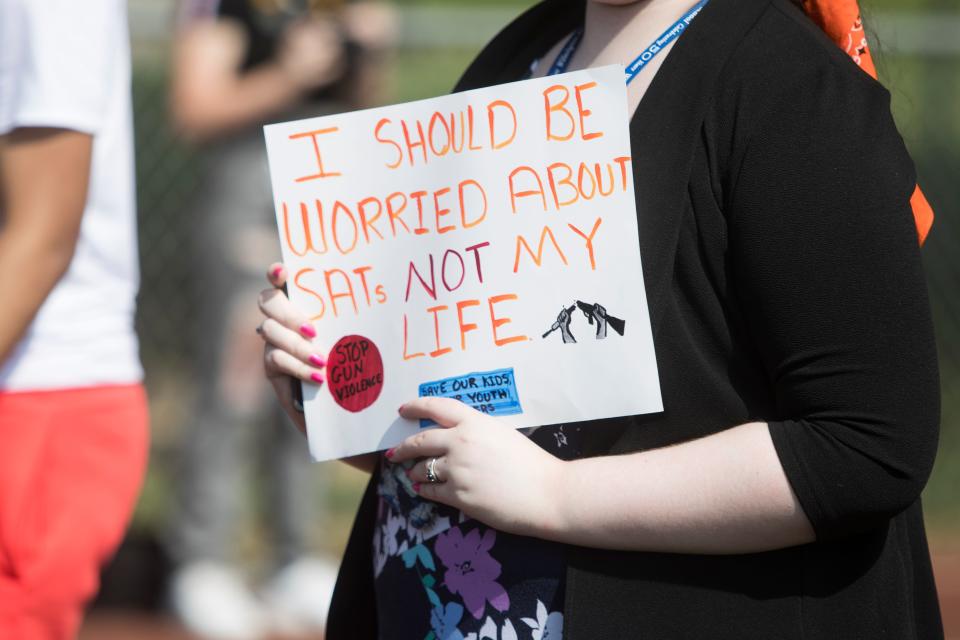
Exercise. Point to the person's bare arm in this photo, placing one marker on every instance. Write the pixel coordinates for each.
(722, 494)
(725, 493)
(212, 95)
(44, 173)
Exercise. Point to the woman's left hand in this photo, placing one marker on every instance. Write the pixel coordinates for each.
(488, 470)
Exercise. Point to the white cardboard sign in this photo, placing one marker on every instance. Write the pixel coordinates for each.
(480, 245)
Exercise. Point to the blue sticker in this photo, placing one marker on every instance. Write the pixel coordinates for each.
(490, 392)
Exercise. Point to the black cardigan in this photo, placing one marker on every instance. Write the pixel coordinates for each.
(785, 285)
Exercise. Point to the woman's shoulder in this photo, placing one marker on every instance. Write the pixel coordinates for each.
(784, 51)
(784, 73)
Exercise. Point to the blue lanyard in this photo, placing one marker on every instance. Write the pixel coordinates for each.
(672, 33)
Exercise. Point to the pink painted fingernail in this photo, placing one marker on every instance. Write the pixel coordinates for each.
(317, 377)
(276, 272)
(390, 452)
(317, 361)
(416, 487)
(307, 329)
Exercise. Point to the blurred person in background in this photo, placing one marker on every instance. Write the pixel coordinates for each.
(73, 413)
(237, 65)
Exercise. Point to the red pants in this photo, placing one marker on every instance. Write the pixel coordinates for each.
(71, 465)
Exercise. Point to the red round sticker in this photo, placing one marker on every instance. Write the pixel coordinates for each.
(355, 373)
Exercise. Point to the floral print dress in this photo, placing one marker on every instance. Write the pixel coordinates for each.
(442, 576)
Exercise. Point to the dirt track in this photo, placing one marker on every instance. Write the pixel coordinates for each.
(106, 625)
(946, 567)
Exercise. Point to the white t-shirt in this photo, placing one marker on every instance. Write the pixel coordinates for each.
(66, 64)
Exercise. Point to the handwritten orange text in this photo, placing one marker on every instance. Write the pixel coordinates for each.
(442, 326)
(412, 141)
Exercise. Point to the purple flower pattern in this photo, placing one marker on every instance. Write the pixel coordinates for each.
(412, 532)
(471, 570)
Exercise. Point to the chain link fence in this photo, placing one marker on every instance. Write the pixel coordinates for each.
(920, 56)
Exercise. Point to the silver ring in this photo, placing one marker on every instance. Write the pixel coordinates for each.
(432, 471)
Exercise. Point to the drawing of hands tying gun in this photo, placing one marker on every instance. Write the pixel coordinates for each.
(563, 324)
(595, 314)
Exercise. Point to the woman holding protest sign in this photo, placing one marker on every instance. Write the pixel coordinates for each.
(777, 494)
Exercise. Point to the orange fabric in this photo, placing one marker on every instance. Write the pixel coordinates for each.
(922, 213)
(71, 465)
(841, 21)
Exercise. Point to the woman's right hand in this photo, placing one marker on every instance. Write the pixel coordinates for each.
(291, 350)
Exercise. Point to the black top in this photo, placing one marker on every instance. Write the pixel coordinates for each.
(784, 282)
(263, 26)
